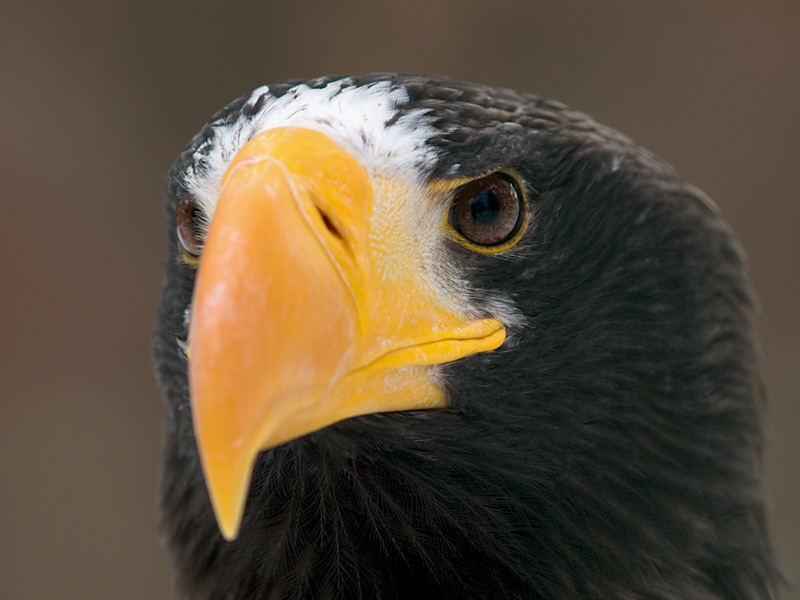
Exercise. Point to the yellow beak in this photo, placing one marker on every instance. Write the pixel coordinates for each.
(309, 308)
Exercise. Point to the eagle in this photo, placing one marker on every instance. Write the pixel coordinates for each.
(422, 338)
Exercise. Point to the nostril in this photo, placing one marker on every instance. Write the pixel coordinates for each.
(330, 225)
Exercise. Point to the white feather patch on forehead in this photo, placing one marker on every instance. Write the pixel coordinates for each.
(357, 117)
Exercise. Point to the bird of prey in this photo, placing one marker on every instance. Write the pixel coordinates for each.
(422, 338)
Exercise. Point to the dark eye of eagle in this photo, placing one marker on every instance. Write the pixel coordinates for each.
(488, 211)
(189, 225)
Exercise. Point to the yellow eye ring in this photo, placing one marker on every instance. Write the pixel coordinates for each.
(488, 214)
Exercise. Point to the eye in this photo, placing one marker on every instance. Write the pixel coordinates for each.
(488, 211)
(189, 225)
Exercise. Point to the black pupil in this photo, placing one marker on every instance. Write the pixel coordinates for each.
(485, 207)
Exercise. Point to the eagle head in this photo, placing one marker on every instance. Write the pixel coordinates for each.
(423, 338)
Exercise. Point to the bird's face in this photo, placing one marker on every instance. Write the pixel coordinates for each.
(476, 332)
(327, 281)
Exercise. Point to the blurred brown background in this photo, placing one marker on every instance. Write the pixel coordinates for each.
(96, 99)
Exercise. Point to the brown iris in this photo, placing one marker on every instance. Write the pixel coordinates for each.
(188, 224)
(487, 211)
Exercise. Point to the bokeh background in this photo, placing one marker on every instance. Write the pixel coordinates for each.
(97, 98)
